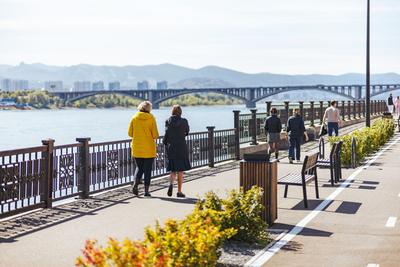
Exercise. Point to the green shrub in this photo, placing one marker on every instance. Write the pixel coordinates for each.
(368, 140)
(240, 211)
(193, 242)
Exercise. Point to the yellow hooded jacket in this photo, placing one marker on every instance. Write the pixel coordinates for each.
(143, 130)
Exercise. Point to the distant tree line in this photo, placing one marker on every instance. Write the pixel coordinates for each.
(42, 99)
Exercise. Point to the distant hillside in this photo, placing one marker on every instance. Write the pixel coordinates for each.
(177, 76)
(201, 83)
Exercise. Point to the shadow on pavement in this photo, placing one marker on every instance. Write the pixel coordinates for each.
(305, 232)
(187, 200)
(348, 207)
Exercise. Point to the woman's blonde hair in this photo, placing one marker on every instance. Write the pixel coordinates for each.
(145, 106)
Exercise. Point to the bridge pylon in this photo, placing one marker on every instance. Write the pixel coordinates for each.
(250, 104)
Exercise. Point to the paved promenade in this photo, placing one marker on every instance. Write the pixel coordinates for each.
(352, 230)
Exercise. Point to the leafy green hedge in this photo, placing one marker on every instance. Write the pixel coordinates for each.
(368, 140)
(194, 241)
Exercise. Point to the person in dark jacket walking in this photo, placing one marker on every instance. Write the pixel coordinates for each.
(390, 103)
(295, 129)
(273, 128)
(176, 129)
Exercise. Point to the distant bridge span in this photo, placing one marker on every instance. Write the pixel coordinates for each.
(249, 95)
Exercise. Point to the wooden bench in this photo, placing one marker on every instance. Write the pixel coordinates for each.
(308, 174)
(330, 163)
(333, 163)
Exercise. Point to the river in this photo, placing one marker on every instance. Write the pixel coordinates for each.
(24, 128)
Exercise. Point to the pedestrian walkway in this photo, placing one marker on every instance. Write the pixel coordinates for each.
(350, 225)
(357, 224)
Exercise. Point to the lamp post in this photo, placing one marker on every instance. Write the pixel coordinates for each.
(367, 87)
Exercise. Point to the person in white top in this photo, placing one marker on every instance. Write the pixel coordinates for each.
(332, 117)
(397, 106)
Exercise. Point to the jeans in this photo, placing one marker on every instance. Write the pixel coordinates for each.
(333, 127)
(294, 144)
(144, 166)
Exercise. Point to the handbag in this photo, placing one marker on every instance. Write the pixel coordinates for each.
(323, 131)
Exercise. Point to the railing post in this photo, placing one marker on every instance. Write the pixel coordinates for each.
(286, 111)
(253, 127)
(84, 182)
(268, 106)
(312, 115)
(237, 133)
(354, 109)
(363, 108)
(349, 110)
(49, 169)
(343, 110)
(321, 112)
(210, 146)
(301, 107)
(359, 108)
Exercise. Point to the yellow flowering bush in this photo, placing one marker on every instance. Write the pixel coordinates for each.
(367, 140)
(194, 241)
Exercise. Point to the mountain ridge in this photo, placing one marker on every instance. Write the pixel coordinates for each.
(177, 76)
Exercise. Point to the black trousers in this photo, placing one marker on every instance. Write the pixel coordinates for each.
(144, 166)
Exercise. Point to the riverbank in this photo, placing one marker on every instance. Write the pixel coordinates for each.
(38, 99)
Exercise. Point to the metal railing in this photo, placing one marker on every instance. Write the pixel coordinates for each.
(251, 125)
(35, 177)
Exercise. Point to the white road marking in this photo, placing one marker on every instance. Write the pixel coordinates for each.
(399, 194)
(391, 222)
(260, 260)
(372, 265)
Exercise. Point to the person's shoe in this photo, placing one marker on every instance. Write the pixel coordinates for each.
(170, 188)
(146, 191)
(135, 190)
(298, 161)
(180, 194)
(290, 160)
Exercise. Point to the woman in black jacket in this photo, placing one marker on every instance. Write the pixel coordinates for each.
(176, 129)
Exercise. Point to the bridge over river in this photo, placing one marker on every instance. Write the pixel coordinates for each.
(249, 95)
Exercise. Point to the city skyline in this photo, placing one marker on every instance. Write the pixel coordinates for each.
(286, 37)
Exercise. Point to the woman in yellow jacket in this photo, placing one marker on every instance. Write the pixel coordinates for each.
(143, 130)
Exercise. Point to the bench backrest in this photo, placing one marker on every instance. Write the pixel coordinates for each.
(333, 151)
(310, 164)
(321, 147)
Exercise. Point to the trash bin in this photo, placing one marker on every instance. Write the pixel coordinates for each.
(256, 169)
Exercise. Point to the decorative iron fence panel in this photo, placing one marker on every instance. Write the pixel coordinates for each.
(261, 117)
(66, 166)
(198, 148)
(110, 164)
(22, 177)
(224, 145)
(245, 128)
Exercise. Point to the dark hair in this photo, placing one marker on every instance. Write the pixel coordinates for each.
(334, 102)
(176, 110)
(274, 111)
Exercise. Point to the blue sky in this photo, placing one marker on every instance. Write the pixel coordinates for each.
(285, 36)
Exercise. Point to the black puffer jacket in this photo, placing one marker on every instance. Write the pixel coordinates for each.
(295, 126)
(390, 101)
(176, 129)
(273, 124)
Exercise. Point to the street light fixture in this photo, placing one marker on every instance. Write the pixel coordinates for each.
(368, 85)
